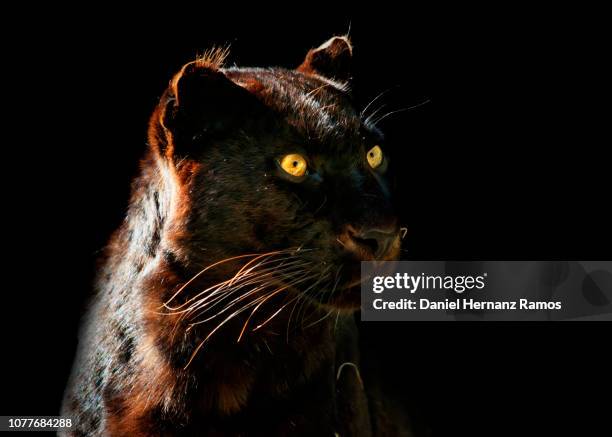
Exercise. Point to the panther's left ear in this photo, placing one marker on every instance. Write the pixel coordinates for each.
(332, 59)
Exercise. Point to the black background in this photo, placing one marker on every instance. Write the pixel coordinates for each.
(508, 160)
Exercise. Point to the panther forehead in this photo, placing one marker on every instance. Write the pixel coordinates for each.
(320, 108)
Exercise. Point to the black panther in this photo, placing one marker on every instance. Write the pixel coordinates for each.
(224, 304)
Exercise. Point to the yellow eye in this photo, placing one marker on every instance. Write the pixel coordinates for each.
(375, 156)
(294, 164)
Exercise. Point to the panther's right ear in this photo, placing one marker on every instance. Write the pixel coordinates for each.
(200, 102)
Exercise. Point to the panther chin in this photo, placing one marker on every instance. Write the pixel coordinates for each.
(348, 299)
(345, 294)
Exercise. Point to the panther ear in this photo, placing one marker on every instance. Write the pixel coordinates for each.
(332, 59)
(201, 102)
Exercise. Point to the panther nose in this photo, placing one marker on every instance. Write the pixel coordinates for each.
(372, 243)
